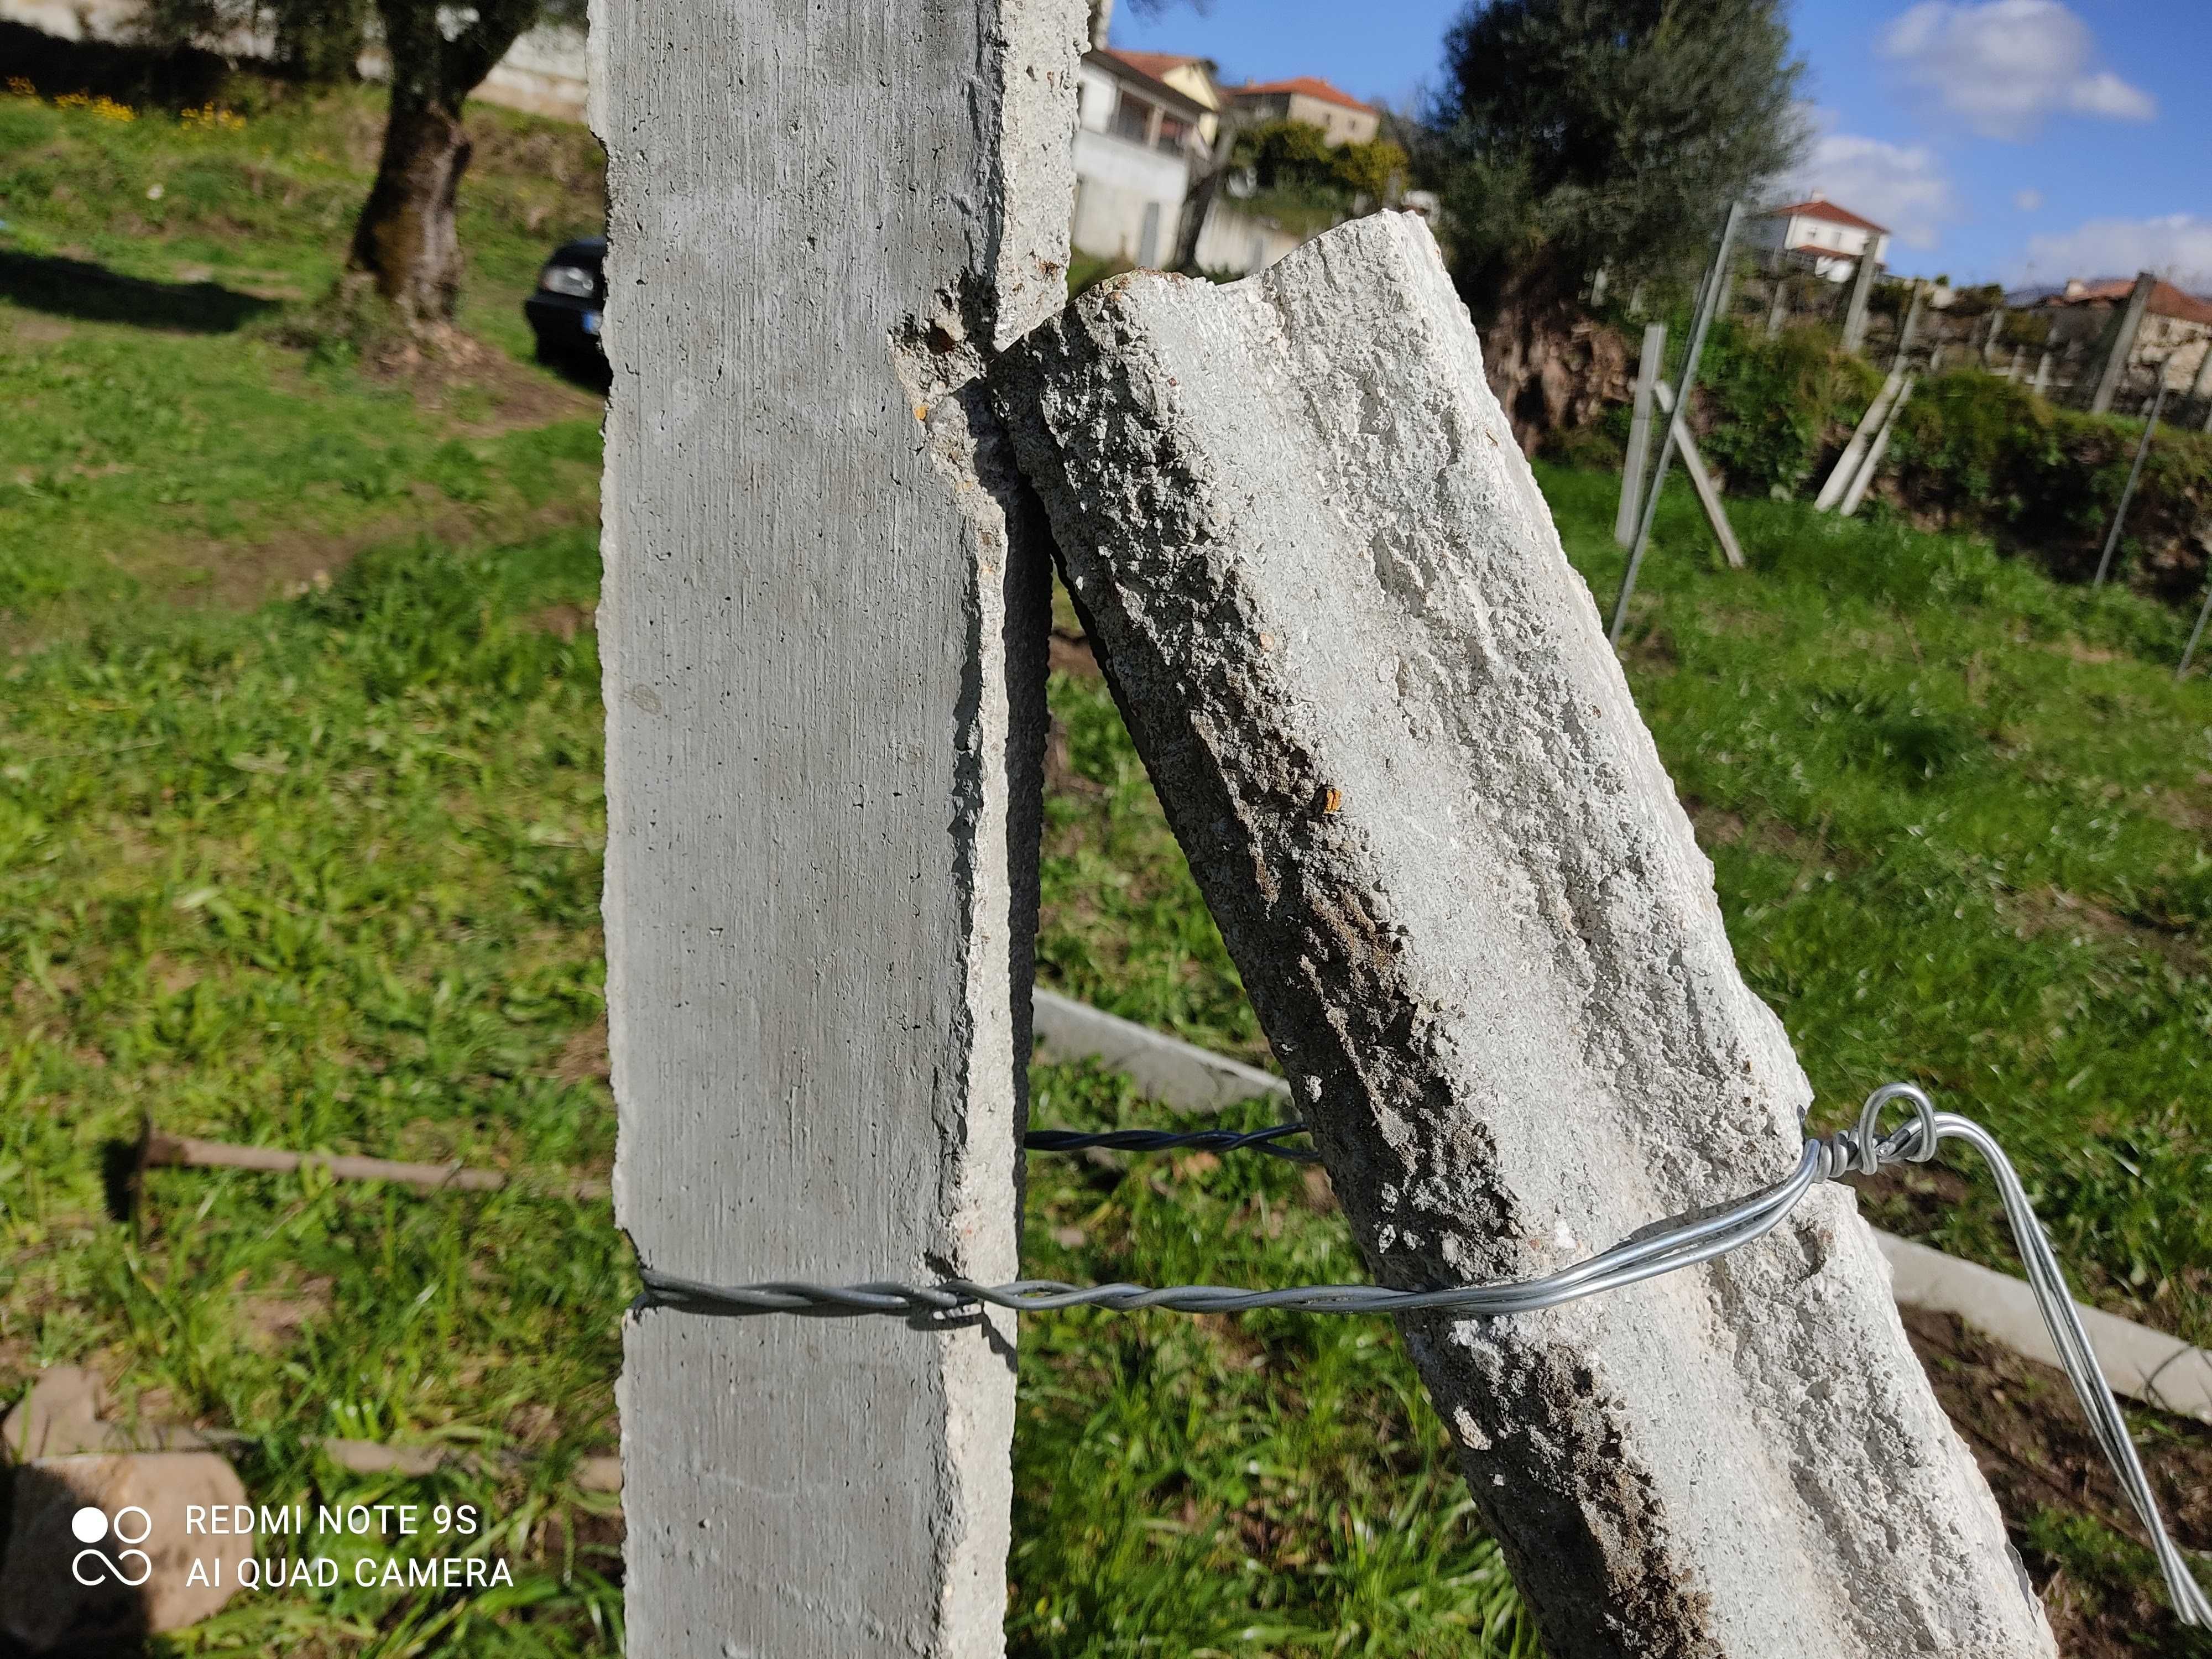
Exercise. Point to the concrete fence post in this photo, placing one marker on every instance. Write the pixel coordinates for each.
(1380, 711)
(1907, 325)
(2118, 346)
(824, 624)
(2043, 373)
(1855, 313)
(1633, 465)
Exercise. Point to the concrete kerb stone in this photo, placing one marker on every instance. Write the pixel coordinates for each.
(2140, 1364)
(1382, 720)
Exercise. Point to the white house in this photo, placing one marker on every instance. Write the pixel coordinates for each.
(1818, 233)
(1134, 143)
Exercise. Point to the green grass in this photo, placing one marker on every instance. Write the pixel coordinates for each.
(1268, 1484)
(325, 876)
(163, 446)
(324, 872)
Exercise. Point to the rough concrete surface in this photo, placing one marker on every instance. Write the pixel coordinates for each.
(823, 625)
(1380, 711)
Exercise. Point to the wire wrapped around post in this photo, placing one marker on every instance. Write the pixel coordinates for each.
(1860, 1150)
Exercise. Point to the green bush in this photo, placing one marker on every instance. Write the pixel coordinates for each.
(1772, 407)
(1975, 451)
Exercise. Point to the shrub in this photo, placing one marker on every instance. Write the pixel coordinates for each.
(1974, 450)
(1774, 406)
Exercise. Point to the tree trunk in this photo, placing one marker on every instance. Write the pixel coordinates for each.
(407, 239)
(1199, 202)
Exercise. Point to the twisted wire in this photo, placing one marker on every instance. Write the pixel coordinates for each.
(1267, 1140)
(1665, 1248)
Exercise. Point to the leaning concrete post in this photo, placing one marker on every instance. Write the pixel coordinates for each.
(1382, 715)
(1648, 370)
(2119, 343)
(823, 627)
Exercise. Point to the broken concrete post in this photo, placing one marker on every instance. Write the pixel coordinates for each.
(824, 624)
(1382, 716)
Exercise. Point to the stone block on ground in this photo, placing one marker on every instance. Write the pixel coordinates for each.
(1380, 711)
(139, 1565)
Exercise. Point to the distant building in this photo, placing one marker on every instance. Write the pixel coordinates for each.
(1136, 138)
(1196, 78)
(1341, 117)
(1817, 234)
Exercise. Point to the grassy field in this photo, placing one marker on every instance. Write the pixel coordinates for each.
(299, 838)
(165, 448)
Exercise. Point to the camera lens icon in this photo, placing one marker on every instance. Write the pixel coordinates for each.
(128, 1527)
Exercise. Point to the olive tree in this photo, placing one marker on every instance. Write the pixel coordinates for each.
(1573, 135)
(406, 242)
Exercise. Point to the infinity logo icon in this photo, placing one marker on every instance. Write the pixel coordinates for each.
(91, 1526)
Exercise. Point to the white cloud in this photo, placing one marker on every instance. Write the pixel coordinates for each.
(2027, 200)
(1901, 185)
(2003, 66)
(2177, 246)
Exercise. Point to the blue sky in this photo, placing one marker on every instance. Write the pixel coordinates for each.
(2007, 140)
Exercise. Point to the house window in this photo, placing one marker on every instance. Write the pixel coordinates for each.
(1133, 117)
(1174, 131)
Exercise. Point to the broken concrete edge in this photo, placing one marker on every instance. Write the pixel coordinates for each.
(2141, 1364)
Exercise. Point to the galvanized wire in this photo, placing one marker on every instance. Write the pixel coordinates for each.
(1268, 1141)
(1662, 1250)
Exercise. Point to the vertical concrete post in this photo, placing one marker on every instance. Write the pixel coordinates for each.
(2043, 373)
(1381, 717)
(1639, 434)
(2119, 343)
(1989, 339)
(823, 627)
(1855, 313)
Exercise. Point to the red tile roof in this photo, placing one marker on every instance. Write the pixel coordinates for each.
(2166, 300)
(1311, 86)
(1815, 207)
(1157, 64)
(1136, 63)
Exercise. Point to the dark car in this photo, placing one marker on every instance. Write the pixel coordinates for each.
(570, 299)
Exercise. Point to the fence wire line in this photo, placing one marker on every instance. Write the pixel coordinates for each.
(1268, 1141)
(1663, 1249)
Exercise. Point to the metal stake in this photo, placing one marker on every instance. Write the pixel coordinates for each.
(2127, 493)
(1707, 304)
(2195, 634)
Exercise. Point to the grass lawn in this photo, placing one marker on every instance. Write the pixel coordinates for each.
(313, 860)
